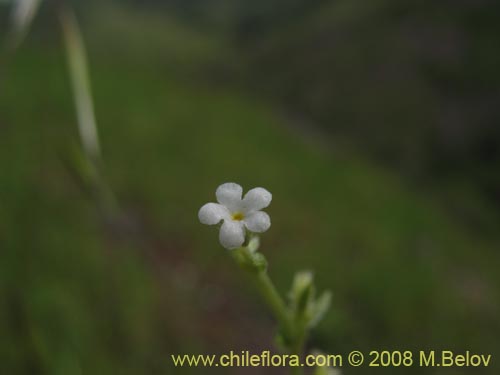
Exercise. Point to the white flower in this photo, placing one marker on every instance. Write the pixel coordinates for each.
(237, 213)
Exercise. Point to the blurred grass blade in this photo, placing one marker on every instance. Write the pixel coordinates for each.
(78, 70)
(23, 12)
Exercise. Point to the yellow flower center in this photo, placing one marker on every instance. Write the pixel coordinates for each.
(238, 216)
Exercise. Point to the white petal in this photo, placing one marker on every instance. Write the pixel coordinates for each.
(257, 222)
(232, 234)
(256, 199)
(229, 194)
(212, 213)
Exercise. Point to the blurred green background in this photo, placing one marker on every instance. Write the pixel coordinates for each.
(375, 124)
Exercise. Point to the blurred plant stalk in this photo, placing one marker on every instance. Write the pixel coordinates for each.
(88, 167)
(22, 14)
(79, 74)
(86, 161)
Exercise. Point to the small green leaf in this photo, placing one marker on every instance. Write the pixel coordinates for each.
(252, 262)
(302, 294)
(320, 307)
(282, 340)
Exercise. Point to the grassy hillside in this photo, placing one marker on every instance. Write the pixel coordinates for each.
(414, 84)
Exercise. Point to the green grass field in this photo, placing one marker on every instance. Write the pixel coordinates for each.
(83, 293)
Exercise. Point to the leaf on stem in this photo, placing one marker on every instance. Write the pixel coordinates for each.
(320, 307)
(306, 308)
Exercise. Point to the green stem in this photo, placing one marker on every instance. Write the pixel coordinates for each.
(268, 290)
(274, 301)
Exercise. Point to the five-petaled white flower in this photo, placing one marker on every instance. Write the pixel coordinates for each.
(237, 213)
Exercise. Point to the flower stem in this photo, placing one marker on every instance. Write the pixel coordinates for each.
(295, 334)
(277, 305)
(274, 300)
